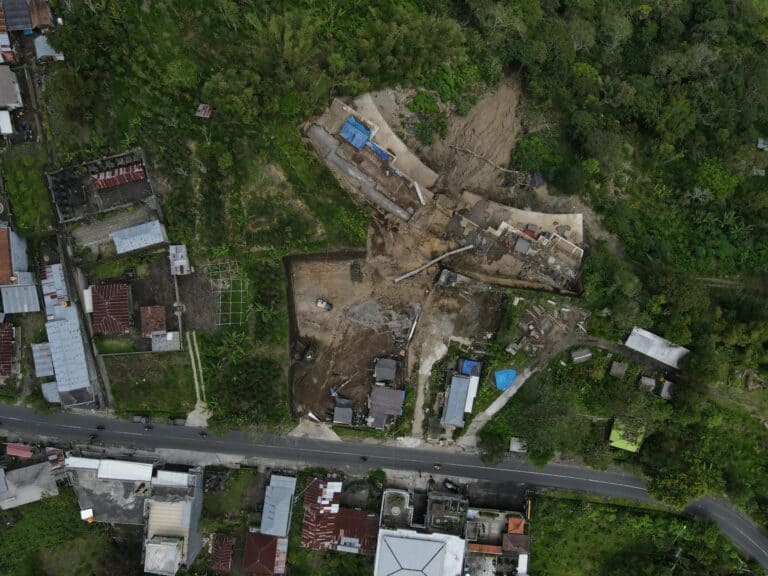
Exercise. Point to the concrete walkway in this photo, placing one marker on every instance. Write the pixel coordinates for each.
(198, 416)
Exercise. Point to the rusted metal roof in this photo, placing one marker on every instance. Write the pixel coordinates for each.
(221, 553)
(152, 320)
(111, 309)
(121, 175)
(5, 256)
(6, 349)
(327, 526)
(18, 450)
(264, 555)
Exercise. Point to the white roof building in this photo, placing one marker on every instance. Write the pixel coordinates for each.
(177, 254)
(27, 485)
(6, 125)
(409, 553)
(655, 347)
(124, 470)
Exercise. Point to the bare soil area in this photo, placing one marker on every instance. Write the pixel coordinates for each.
(490, 129)
(200, 303)
(154, 287)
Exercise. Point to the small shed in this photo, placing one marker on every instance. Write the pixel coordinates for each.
(522, 245)
(42, 359)
(166, 342)
(45, 52)
(618, 369)
(385, 370)
(179, 257)
(517, 445)
(647, 384)
(581, 355)
(342, 415)
(6, 125)
(204, 110)
(625, 438)
(18, 450)
(666, 390)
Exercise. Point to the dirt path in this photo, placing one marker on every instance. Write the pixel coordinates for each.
(198, 416)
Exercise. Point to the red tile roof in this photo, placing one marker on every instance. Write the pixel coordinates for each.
(264, 555)
(152, 320)
(122, 175)
(18, 450)
(324, 529)
(111, 309)
(6, 349)
(221, 555)
(5, 256)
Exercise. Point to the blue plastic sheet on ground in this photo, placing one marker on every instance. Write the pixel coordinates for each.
(355, 133)
(504, 378)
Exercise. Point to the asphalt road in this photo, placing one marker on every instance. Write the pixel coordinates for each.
(26, 423)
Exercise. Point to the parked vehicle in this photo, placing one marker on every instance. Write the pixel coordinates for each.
(323, 304)
(177, 421)
(141, 419)
(448, 485)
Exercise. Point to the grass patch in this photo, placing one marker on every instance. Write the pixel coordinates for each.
(156, 384)
(576, 536)
(23, 167)
(119, 267)
(114, 345)
(45, 524)
(225, 511)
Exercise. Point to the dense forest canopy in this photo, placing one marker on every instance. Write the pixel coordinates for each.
(649, 110)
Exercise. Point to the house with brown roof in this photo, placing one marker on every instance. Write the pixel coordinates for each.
(328, 526)
(222, 547)
(264, 555)
(111, 308)
(152, 320)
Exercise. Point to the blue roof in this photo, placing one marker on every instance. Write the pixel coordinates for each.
(504, 378)
(470, 367)
(355, 133)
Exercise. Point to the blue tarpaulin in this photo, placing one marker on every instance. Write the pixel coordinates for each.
(504, 378)
(355, 133)
(470, 367)
(379, 151)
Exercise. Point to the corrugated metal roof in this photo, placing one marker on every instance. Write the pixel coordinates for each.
(82, 463)
(3, 485)
(43, 49)
(453, 413)
(50, 392)
(139, 237)
(5, 255)
(54, 288)
(385, 370)
(17, 15)
(23, 278)
(19, 258)
(18, 299)
(387, 401)
(166, 342)
(123, 470)
(278, 501)
(152, 319)
(655, 347)
(68, 351)
(10, 94)
(177, 254)
(41, 356)
(6, 125)
(342, 415)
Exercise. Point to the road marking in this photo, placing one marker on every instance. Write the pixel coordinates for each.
(728, 522)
